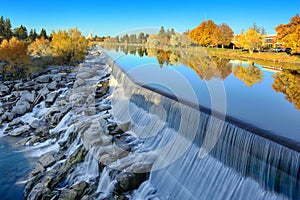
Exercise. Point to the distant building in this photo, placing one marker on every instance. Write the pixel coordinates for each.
(270, 40)
(90, 36)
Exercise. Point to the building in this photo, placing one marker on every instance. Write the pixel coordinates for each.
(90, 36)
(270, 41)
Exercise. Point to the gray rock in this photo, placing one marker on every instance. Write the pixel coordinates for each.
(16, 121)
(52, 86)
(28, 96)
(4, 89)
(21, 107)
(51, 97)
(68, 195)
(37, 192)
(42, 131)
(23, 130)
(43, 79)
(8, 116)
(33, 140)
(35, 124)
(57, 77)
(24, 141)
(86, 197)
(129, 181)
(37, 169)
(18, 86)
(47, 160)
(43, 92)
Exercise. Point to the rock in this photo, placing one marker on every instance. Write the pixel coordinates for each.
(18, 86)
(47, 160)
(30, 97)
(43, 92)
(52, 86)
(24, 141)
(43, 79)
(21, 107)
(57, 77)
(35, 124)
(34, 140)
(129, 181)
(86, 197)
(7, 116)
(80, 187)
(42, 131)
(4, 89)
(68, 195)
(51, 97)
(37, 192)
(16, 121)
(23, 130)
(111, 154)
(37, 169)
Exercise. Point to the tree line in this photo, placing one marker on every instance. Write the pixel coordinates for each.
(209, 34)
(19, 51)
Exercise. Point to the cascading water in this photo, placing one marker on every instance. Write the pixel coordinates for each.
(241, 165)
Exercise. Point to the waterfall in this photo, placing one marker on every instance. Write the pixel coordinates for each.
(192, 164)
(87, 171)
(106, 184)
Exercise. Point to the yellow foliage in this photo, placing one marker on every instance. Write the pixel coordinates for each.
(249, 75)
(204, 33)
(40, 47)
(14, 54)
(70, 46)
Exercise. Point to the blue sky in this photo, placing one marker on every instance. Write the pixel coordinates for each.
(114, 17)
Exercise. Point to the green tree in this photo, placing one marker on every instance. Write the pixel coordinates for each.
(32, 36)
(141, 39)
(7, 32)
(132, 39)
(21, 32)
(43, 34)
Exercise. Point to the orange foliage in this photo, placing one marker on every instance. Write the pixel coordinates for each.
(14, 54)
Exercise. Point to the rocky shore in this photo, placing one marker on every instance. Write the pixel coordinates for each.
(64, 117)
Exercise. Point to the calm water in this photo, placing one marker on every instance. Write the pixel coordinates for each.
(253, 93)
(14, 166)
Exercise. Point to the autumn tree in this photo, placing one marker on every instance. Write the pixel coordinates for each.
(175, 40)
(251, 40)
(289, 34)
(13, 52)
(249, 75)
(223, 35)
(288, 83)
(40, 47)
(204, 33)
(69, 46)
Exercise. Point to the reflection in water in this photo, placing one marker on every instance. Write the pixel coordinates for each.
(288, 83)
(208, 67)
(249, 75)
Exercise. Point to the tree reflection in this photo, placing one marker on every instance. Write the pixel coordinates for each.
(249, 75)
(288, 83)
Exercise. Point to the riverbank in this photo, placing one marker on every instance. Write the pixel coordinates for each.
(273, 59)
(63, 118)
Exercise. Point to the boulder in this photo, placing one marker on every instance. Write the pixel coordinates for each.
(47, 160)
(4, 89)
(129, 181)
(35, 124)
(69, 195)
(51, 97)
(28, 96)
(23, 130)
(43, 79)
(21, 107)
(37, 192)
(8, 116)
(52, 86)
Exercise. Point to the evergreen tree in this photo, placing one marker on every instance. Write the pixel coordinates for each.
(7, 29)
(21, 32)
(2, 22)
(43, 34)
(32, 35)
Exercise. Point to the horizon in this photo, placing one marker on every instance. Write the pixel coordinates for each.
(115, 18)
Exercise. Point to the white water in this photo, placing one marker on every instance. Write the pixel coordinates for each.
(87, 171)
(106, 184)
(241, 165)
